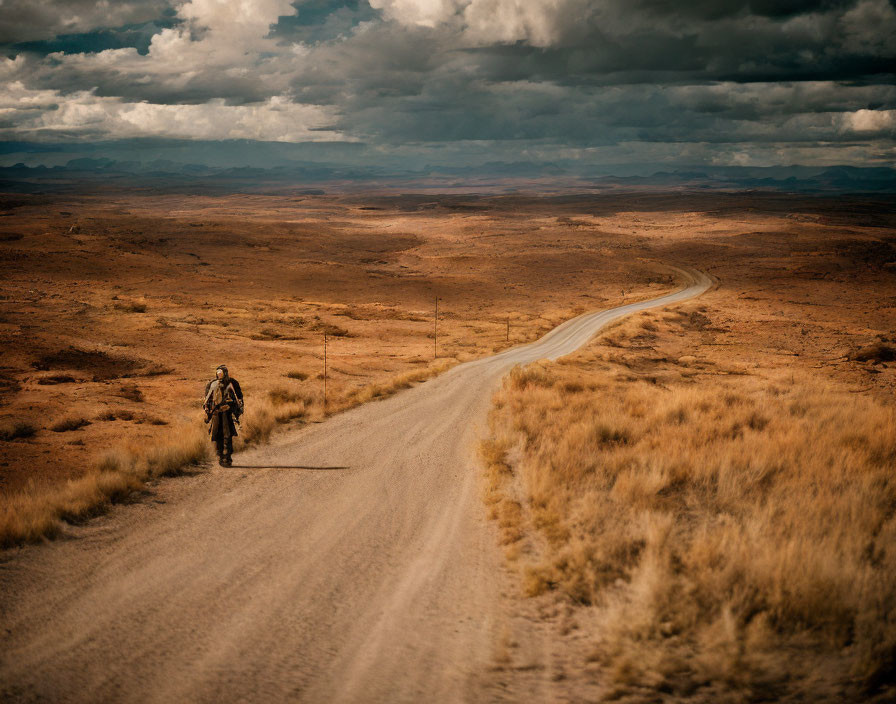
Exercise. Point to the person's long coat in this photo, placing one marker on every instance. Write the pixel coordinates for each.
(221, 424)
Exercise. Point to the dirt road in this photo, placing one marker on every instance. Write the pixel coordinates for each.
(352, 561)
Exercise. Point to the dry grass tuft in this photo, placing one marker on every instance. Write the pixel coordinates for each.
(55, 379)
(16, 429)
(330, 329)
(875, 352)
(258, 422)
(131, 392)
(130, 306)
(387, 388)
(734, 539)
(36, 513)
(66, 424)
(281, 395)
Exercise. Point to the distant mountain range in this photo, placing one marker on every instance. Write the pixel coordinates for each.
(90, 174)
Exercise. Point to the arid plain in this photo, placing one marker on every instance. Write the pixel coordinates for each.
(116, 309)
(124, 307)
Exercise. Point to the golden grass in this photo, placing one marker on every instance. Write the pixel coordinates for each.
(733, 540)
(380, 390)
(36, 512)
(264, 414)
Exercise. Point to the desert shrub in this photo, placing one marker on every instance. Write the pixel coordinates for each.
(16, 429)
(102, 364)
(131, 392)
(295, 374)
(180, 451)
(330, 329)
(258, 422)
(875, 352)
(532, 375)
(281, 395)
(286, 405)
(130, 306)
(56, 379)
(71, 423)
(285, 412)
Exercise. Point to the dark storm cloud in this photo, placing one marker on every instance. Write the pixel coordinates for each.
(716, 9)
(574, 74)
(650, 44)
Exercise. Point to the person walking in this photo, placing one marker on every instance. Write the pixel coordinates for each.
(223, 407)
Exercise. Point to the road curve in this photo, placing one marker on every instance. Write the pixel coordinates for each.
(349, 562)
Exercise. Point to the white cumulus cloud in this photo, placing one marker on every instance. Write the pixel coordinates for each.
(33, 112)
(869, 121)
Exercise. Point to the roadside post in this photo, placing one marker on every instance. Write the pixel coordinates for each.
(435, 332)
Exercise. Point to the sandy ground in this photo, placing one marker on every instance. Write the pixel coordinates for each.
(349, 562)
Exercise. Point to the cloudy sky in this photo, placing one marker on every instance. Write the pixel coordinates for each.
(727, 82)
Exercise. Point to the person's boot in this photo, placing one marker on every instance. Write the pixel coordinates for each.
(223, 461)
(227, 461)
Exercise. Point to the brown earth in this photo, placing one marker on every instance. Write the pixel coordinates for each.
(116, 311)
(353, 559)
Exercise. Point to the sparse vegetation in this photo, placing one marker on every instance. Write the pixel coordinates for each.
(35, 513)
(298, 375)
(66, 424)
(878, 351)
(16, 429)
(102, 365)
(130, 306)
(389, 387)
(131, 392)
(54, 379)
(330, 329)
(732, 539)
(258, 422)
(287, 404)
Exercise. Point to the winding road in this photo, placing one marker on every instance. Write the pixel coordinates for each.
(349, 562)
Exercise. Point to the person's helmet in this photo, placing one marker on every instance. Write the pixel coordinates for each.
(223, 368)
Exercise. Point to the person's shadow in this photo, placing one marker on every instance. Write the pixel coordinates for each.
(285, 466)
